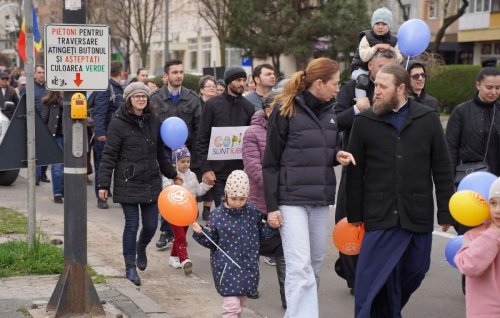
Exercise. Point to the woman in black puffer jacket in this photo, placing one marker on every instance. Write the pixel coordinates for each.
(134, 152)
(469, 125)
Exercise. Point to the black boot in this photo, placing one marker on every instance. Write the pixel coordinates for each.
(130, 270)
(205, 213)
(142, 259)
(281, 271)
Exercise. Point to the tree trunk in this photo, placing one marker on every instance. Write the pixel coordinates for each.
(446, 23)
(222, 50)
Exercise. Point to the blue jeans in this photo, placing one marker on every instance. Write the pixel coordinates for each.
(98, 148)
(218, 191)
(149, 216)
(57, 171)
(304, 235)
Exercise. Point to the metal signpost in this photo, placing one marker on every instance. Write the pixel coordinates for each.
(76, 59)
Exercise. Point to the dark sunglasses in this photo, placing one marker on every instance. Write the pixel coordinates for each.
(417, 76)
(5, 78)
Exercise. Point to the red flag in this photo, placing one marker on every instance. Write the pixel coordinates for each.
(37, 39)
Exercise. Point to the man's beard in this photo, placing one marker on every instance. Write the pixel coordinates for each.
(381, 108)
(235, 89)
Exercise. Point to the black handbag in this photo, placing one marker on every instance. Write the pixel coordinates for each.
(464, 169)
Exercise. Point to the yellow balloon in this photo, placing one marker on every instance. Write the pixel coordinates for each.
(469, 208)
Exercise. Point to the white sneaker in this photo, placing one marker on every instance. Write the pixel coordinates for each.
(174, 262)
(187, 266)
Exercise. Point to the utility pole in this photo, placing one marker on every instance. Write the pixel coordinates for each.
(30, 123)
(74, 293)
(166, 48)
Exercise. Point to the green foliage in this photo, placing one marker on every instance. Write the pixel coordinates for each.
(452, 85)
(272, 28)
(158, 80)
(5, 60)
(16, 260)
(345, 75)
(191, 81)
(96, 278)
(12, 222)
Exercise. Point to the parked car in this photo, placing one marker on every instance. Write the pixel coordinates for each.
(7, 177)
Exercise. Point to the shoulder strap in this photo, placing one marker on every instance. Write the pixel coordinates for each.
(112, 98)
(489, 133)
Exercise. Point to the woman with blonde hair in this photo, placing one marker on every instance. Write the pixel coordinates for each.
(299, 180)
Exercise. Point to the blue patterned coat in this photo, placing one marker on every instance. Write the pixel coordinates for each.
(238, 232)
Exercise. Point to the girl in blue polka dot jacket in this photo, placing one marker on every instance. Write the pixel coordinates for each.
(235, 226)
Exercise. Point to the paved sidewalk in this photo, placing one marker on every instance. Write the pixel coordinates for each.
(120, 298)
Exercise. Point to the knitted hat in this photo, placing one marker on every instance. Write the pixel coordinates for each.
(495, 189)
(237, 184)
(234, 72)
(180, 153)
(382, 15)
(134, 88)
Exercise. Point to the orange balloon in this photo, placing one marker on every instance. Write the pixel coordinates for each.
(347, 237)
(177, 205)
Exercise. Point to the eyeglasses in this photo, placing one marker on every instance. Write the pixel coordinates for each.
(5, 78)
(139, 97)
(209, 86)
(417, 76)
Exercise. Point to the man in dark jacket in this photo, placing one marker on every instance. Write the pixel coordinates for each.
(418, 77)
(400, 151)
(105, 105)
(230, 109)
(346, 109)
(174, 99)
(7, 94)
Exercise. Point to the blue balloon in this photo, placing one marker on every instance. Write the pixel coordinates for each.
(413, 37)
(452, 248)
(479, 182)
(174, 132)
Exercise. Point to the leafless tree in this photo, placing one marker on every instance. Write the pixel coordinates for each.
(448, 20)
(133, 21)
(143, 23)
(214, 12)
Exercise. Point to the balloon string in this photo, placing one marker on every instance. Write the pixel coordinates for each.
(220, 249)
(407, 62)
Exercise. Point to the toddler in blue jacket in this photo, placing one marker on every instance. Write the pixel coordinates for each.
(237, 228)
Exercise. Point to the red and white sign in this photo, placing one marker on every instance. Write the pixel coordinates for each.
(76, 57)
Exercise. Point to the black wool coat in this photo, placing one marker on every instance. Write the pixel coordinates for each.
(392, 181)
(133, 150)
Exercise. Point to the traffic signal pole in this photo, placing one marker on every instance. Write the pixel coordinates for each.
(74, 293)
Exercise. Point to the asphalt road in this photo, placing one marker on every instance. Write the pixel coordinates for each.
(439, 296)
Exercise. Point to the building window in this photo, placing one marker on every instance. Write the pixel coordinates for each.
(486, 48)
(193, 53)
(233, 56)
(479, 6)
(433, 9)
(497, 49)
(490, 49)
(495, 5)
(206, 47)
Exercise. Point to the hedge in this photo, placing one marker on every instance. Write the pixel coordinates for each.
(190, 81)
(452, 84)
